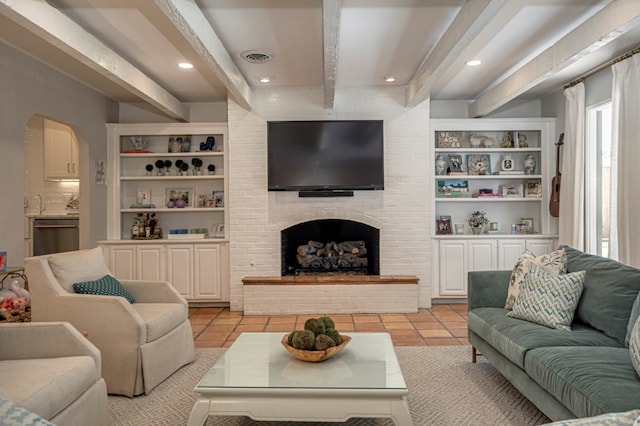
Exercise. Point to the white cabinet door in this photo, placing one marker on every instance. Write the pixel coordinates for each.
(122, 262)
(540, 247)
(508, 253)
(60, 151)
(452, 265)
(207, 267)
(482, 255)
(180, 268)
(150, 263)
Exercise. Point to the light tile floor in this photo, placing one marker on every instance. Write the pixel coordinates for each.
(438, 326)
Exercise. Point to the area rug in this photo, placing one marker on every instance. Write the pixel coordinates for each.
(445, 388)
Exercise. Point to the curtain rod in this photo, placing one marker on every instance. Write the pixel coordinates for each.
(601, 67)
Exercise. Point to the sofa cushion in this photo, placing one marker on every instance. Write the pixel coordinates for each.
(105, 286)
(548, 299)
(48, 386)
(12, 414)
(514, 337)
(627, 418)
(610, 289)
(160, 318)
(554, 262)
(78, 266)
(634, 346)
(590, 381)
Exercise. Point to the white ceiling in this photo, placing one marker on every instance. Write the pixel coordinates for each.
(129, 49)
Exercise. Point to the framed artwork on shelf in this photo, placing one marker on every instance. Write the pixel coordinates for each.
(143, 197)
(512, 190)
(449, 139)
(219, 230)
(453, 188)
(479, 164)
(218, 197)
(532, 189)
(179, 197)
(526, 225)
(443, 227)
(455, 163)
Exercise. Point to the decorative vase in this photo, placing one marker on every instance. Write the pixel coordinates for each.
(476, 229)
(441, 166)
(529, 165)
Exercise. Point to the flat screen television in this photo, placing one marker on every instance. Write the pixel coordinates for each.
(325, 155)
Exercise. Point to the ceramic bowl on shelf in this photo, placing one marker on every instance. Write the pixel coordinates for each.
(315, 356)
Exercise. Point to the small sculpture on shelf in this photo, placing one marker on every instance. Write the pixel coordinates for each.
(208, 145)
(196, 163)
(167, 166)
(139, 143)
(160, 166)
(149, 169)
(212, 169)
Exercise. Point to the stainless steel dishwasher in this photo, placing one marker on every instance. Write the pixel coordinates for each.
(55, 235)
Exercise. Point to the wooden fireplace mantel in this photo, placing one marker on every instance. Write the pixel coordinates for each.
(331, 280)
(337, 294)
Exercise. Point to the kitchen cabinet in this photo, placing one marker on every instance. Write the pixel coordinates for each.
(60, 152)
(136, 262)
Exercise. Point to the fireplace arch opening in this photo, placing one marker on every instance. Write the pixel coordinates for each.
(327, 232)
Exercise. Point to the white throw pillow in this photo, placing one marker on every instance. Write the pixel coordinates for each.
(78, 266)
(548, 299)
(634, 346)
(554, 263)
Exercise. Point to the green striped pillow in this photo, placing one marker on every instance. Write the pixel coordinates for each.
(106, 286)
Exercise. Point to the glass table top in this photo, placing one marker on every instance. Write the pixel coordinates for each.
(258, 360)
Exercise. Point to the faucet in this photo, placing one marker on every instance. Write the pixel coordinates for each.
(42, 207)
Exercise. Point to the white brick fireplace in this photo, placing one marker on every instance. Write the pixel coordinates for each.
(400, 211)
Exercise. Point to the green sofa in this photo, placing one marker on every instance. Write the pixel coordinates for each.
(567, 374)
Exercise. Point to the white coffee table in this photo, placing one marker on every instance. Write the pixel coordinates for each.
(258, 378)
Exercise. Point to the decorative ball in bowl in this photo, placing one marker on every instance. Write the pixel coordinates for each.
(318, 341)
(315, 356)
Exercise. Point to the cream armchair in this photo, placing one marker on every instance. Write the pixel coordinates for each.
(52, 371)
(142, 343)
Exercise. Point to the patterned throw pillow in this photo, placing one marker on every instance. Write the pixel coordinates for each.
(634, 346)
(106, 286)
(12, 414)
(548, 299)
(554, 263)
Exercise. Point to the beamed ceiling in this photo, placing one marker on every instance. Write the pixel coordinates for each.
(129, 49)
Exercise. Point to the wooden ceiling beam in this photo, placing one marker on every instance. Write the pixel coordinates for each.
(611, 22)
(56, 29)
(472, 18)
(187, 17)
(331, 10)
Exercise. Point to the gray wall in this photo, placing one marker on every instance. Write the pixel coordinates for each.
(29, 87)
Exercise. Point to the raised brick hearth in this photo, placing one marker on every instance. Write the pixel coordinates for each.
(339, 294)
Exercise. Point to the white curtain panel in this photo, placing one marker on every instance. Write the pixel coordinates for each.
(571, 220)
(624, 241)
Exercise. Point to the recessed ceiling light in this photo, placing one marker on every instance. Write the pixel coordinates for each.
(474, 62)
(265, 79)
(185, 65)
(389, 79)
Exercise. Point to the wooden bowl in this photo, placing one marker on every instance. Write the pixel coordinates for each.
(315, 356)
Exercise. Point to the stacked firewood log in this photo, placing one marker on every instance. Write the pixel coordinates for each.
(332, 255)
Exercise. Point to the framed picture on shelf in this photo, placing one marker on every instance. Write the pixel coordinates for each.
(219, 230)
(143, 197)
(526, 225)
(449, 139)
(179, 197)
(512, 190)
(479, 164)
(455, 163)
(453, 188)
(532, 189)
(443, 227)
(218, 197)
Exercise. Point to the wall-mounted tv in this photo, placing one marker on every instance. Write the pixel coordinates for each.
(325, 155)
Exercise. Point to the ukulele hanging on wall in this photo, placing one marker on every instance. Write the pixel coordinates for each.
(554, 200)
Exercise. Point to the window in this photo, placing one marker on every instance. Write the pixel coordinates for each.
(598, 179)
